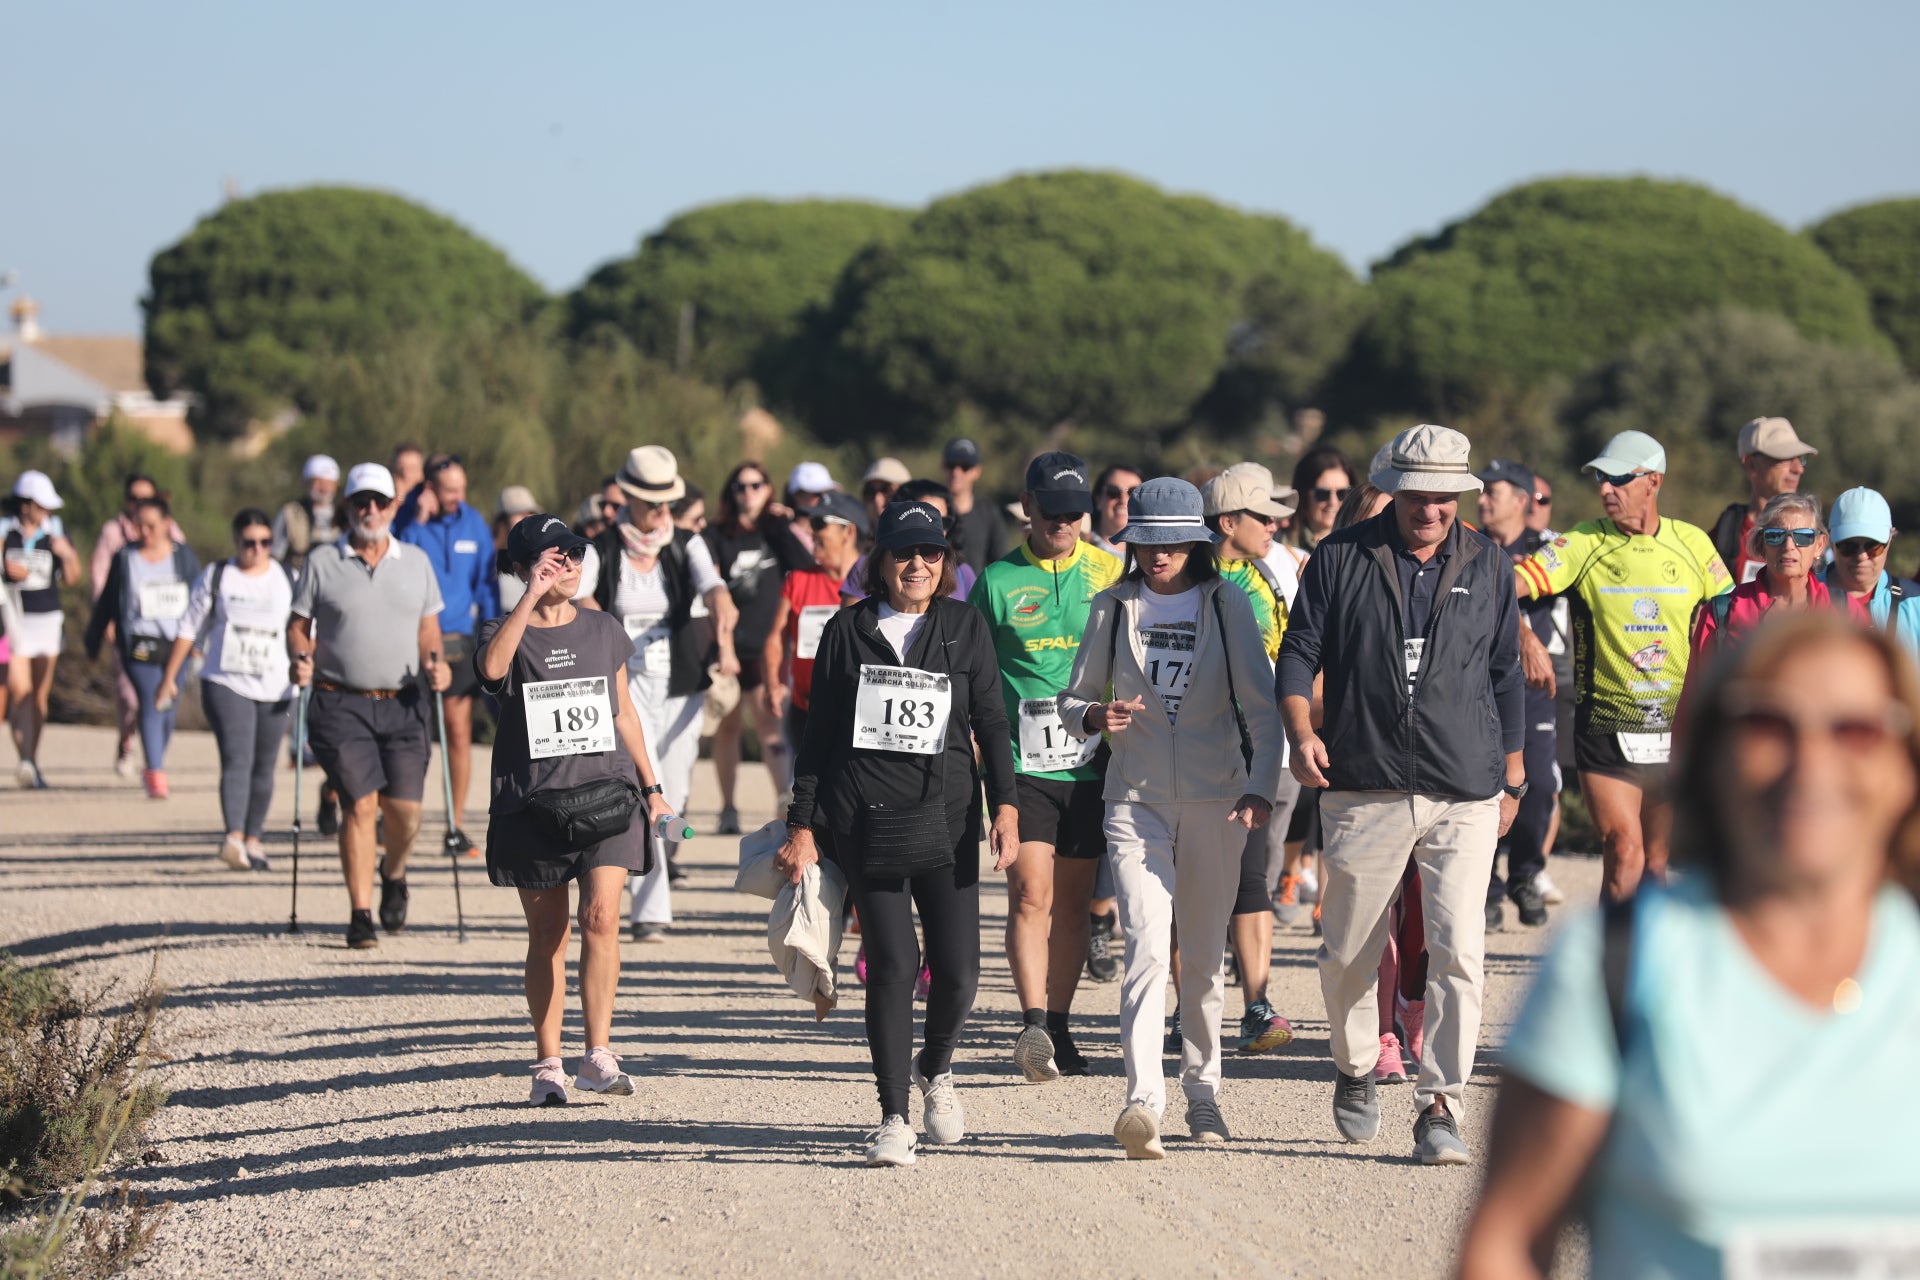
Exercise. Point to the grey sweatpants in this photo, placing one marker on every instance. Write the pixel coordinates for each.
(248, 734)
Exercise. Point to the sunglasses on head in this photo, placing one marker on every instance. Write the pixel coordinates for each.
(1859, 547)
(1778, 537)
(926, 555)
(1619, 482)
(1330, 495)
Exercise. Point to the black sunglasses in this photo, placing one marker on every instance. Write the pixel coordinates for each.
(927, 555)
(749, 486)
(1543, 499)
(441, 464)
(256, 544)
(1859, 547)
(1114, 493)
(1329, 495)
(361, 501)
(1778, 537)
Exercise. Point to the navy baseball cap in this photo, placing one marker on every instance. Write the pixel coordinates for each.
(533, 535)
(841, 508)
(910, 524)
(960, 453)
(1059, 484)
(1507, 470)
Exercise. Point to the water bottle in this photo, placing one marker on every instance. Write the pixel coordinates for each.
(670, 826)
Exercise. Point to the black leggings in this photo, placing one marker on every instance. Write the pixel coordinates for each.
(949, 902)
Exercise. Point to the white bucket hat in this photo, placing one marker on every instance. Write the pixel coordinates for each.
(1428, 459)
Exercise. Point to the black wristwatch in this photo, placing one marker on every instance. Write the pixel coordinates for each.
(1518, 793)
(654, 790)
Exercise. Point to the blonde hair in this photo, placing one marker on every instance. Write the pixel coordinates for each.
(1699, 827)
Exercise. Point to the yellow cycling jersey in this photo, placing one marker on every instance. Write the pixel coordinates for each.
(1633, 597)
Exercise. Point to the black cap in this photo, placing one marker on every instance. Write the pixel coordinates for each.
(1510, 472)
(910, 524)
(1059, 484)
(843, 507)
(960, 453)
(533, 535)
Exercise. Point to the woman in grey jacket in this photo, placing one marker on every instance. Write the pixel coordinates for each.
(1172, 668)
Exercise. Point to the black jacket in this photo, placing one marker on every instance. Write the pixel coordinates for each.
(691, 643)
(1468, 705)
(834, 783)
(1726, 534)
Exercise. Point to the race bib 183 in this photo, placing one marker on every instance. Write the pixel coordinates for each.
(568, 717)
(901, 709)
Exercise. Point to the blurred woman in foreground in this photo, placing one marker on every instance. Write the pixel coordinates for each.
(1793, 935)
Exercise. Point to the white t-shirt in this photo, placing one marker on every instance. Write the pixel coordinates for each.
(244, 632)
(1168, 625)
(900, 629)
(1284, 565)
(640, 602)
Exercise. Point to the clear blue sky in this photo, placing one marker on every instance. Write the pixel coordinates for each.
(563, 133)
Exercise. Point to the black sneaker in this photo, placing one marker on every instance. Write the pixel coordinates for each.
(393, 903)
(329, 816)
(361, 934)
(1101, 966)
(1176, 1044)
(1496, 918)
(1531, 906)
(457, 843)
(1067, 1056)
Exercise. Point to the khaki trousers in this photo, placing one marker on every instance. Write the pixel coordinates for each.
(1369, 835)
(1174, 863)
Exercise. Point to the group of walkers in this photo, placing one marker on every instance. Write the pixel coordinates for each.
(1189, 712)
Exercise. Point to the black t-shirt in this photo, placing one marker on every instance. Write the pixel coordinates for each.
(983, 535)
(40, 591)
(568, 662)
(755, 564)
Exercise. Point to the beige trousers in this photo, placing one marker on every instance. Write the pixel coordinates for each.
(1369, 835)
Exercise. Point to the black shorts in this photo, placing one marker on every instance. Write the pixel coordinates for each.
(521, 854)
(458, 652)
(1252, 896)
(370, 744)
(752, 669)
(1070, 816)
(1600, 753)
(1303, 824)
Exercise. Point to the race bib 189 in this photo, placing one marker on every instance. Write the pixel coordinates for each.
(812, 625)
(163, 601)
(901, 709)
(568, 717)
(1045, 744)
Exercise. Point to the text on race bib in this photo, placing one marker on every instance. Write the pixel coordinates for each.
(1045, 744)
(652, 642)
(1646, 748)
(1168, 662)
(163, 601)
(1410, 653)
(1839, 1251)
(813, 625)
(568, 717)
(901, 709)
(39, 564)
(252, 651)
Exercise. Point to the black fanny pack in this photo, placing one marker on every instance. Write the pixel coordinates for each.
(905, 842)
(148, 649)
(581, 817)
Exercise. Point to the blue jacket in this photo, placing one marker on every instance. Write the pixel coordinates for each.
(1896, 608)
(460, 548)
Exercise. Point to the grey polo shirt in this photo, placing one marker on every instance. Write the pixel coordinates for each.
(366, 619)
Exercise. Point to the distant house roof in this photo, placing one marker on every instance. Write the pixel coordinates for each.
(114, 361)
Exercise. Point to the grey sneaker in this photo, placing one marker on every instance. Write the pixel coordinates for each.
(1356, 1112)
(942, 1118)
(1531, 906)
(600, 1073)
(1204, 1122)
(1436, 1139)
(1139, 1132)
(1033, 1054)
(891, 1145)
(549, 1084)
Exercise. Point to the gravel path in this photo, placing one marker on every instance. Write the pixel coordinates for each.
(363, 1113)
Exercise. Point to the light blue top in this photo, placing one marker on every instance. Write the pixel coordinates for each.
(1739, 1108)
(1908, 633)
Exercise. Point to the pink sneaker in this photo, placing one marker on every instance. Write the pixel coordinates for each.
(549, 1084)
(1390, 1069)
(1412, 1021)
(923, 984)
(600, 1073)
(860, 964)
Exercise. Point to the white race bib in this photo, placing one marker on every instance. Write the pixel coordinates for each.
(39, 564)
(1410, 652)
(901, 709)
(1849, 1251)
(1646, 748)
(568, 717)
(813, 625)
(1045, 744)
(163, 601)
(653, 640)
(252, 651)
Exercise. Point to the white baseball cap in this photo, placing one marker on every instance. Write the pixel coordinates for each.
(320, 467)
(811, 477)
(36, 488)
(370, 477)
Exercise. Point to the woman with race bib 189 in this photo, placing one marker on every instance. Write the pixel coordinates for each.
(237, 615)
(904, 683)
(568, 736)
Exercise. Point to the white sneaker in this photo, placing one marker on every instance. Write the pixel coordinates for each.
(943, 1119)
(891, 1145)
(234, 854)
(126, 766)
(549, 1084)
(1548, 890)
(1309, 883)
(27, 775)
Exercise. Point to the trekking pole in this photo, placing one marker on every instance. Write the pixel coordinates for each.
(446, 783)
(299, 759)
